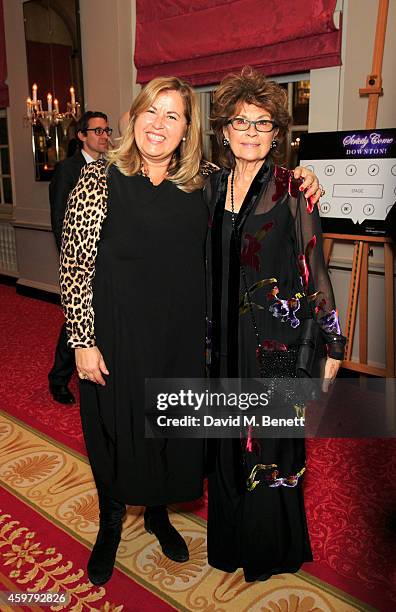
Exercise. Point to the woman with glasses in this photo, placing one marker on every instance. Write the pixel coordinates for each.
(133, 290)
(268, 278)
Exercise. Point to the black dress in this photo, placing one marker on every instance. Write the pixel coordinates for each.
(148, 303)
(264, 531)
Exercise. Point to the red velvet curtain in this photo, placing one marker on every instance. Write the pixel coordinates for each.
(205, 39)
(3, 62)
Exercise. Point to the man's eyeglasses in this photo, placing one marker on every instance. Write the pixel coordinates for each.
(99, 131)
(242, 125)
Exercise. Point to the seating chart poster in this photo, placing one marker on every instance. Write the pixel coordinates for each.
(357, 169)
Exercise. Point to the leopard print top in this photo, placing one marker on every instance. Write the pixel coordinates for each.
(85, 213)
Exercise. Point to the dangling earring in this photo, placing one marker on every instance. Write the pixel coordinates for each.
(274, 144)
(184, 139)
(226, 142)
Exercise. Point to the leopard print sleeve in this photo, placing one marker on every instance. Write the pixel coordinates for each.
(85, 213)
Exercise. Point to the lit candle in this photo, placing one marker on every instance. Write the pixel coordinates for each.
(49, 102)
(56, 105)
(29, 107)
(73, 96)
(34, 93)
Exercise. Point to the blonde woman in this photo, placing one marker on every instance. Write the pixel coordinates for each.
(132, 281)
(132, 259)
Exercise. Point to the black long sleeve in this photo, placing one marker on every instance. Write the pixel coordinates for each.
(63, 182)
(315, 276)
(61, 185)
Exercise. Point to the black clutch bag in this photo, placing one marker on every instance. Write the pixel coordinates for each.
(302, 360)
(278, 364)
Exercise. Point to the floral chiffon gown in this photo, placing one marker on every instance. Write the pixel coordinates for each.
(277, 240)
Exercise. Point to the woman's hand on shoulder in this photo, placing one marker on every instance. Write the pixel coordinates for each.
(207, 168)
(331, 368)
(310, 185)
(91, 365)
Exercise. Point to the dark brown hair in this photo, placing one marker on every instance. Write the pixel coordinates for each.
(83, 123)
(251, 87)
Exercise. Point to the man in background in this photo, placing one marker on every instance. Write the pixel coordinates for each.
(93, 133)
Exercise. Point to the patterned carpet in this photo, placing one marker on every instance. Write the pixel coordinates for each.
(48, 509)
(56, 484)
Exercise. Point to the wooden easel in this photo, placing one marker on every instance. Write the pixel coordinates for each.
(373, 87)
(358, 292)
(359, 276)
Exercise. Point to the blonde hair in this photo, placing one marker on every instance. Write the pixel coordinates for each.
(185, 164)
(252, 87)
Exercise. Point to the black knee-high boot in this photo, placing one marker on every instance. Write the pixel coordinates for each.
(101, 562)
(156, 521)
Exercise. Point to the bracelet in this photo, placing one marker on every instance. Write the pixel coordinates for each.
(336, 338)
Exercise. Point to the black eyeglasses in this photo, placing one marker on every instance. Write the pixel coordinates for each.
(99, 131)
(262, 125)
